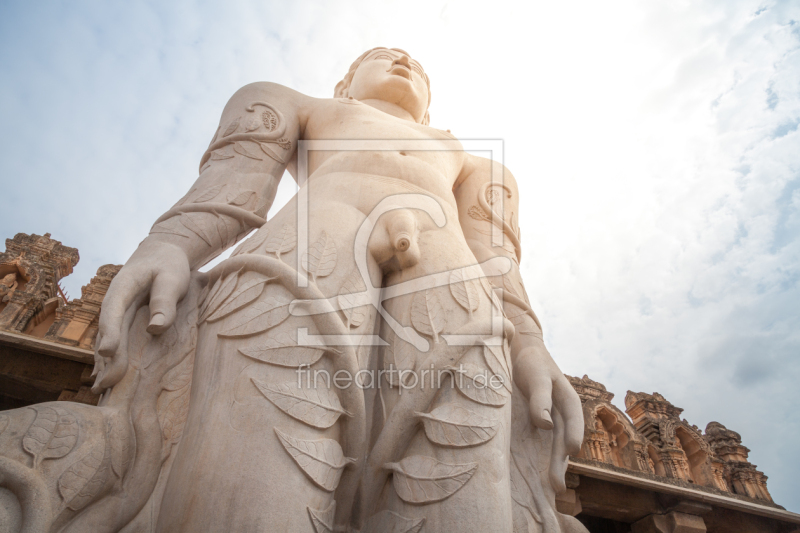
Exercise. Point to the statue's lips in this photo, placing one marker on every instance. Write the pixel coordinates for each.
(400, 70)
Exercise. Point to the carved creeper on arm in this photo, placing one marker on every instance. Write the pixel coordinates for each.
(488, 205)
(239, 176)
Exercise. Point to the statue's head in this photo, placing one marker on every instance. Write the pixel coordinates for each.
(391, 75)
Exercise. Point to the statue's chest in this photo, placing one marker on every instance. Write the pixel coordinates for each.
(353, 122)
(350, 119)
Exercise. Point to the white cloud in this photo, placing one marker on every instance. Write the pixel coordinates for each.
(655, 144)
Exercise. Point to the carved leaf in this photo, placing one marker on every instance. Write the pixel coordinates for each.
(119, 443)
(322, 460)
(282, 350)
(521, 494)
(354, 316)
(267, 150)
(173, 416)
(252, 125)
(222, 229)
(186, 196)
(245, 293)
(322, 520)
(259, 317)
(477, 213)
(263, 207)
(318, 406)
(220, 154)
(232, 127)
(196, 222)
(220, 295)
(474, 383)
(496, 360)
(209, 194)
(399, 359)
(41, 431)
(487, 288)
(240, 148)
(84, 479)
(201, 298)
(464, 291)
(178, 376)
(427, 314)
(251, 244)
(454, 425)
(283, 242)
(207, 301)
(285, 143)
(421, 479)
(240, 199)
(52, 434)
(170, 227)
(320, 260)
(390, 522)
(64, 437)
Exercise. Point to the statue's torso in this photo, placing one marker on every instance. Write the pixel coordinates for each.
(433, 166)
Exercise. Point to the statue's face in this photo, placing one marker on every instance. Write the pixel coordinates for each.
(393, 77)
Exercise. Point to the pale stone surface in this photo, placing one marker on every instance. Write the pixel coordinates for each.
(400, 252)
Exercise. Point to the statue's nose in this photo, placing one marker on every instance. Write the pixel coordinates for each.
(403, 61)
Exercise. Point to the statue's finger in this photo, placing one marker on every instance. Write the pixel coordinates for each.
(541, 401)
(559, 460)
(121, 294)
(168, 288)
(569, 405)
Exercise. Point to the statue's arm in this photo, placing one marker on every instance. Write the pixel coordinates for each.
(239, 175)
(488, 207)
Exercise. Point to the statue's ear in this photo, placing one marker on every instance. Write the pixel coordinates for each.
(426, 120)
(340, 91)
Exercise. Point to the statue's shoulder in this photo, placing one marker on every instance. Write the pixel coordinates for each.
(479, 170)
(272, 93)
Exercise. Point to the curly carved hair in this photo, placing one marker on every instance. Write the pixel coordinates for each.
(340, 91)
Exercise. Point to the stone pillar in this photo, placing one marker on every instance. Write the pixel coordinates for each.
(569, 503)
(672, 522)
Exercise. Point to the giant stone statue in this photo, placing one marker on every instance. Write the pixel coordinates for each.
(366, 361)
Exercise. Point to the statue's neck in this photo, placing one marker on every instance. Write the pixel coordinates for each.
(389, 108)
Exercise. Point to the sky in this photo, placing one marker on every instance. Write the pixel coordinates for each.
(655, 144)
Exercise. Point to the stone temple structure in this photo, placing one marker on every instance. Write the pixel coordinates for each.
(645, 469)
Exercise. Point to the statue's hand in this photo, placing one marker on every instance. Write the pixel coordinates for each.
(554, 404)
(158, 269)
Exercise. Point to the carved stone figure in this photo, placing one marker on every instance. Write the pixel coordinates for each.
(8, 283)
(367, 360)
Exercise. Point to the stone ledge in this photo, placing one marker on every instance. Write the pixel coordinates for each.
(54, 349)
(654, 483)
